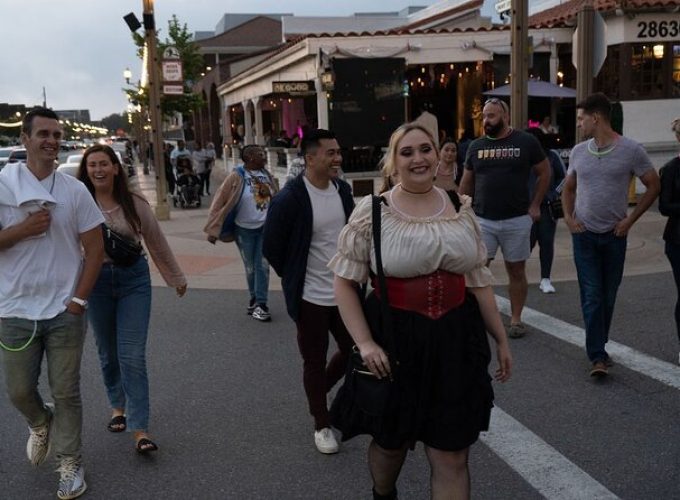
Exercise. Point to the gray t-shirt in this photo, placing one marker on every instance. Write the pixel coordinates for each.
(602, 182)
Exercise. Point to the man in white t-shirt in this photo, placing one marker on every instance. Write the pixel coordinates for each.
(300, 238)
(45, 280)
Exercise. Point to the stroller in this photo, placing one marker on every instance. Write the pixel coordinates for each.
(188, 189)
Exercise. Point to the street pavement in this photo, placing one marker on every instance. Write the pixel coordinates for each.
(230, 416)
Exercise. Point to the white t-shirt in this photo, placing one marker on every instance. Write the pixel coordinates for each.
(328, 220)
(257, 194)
(38, 275)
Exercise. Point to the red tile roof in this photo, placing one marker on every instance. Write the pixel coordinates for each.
(567, 11)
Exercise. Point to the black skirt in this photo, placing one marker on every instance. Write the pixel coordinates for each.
(442, 392)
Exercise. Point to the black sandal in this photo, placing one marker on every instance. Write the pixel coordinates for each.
(117, 424)
(145, 445)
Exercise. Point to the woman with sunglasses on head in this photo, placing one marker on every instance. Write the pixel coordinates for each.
(447, 169)
(120, 302)
(441, 305)
(669, 205)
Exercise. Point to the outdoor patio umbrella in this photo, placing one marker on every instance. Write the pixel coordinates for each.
(536, 88)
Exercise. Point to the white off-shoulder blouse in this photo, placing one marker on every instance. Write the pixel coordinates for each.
(413, 246)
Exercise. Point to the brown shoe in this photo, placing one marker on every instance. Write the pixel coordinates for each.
(599, 369)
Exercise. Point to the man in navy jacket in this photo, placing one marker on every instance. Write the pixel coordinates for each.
(300, 238)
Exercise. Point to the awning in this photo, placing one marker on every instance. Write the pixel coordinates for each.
(537, 88)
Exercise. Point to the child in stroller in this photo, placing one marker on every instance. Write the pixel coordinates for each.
(188, 185)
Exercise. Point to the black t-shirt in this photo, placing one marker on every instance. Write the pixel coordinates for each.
(501, 168)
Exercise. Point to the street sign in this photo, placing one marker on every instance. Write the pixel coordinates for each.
(173, 89)
(172, 71)
(171, 53)
(599, 44)
(503, 6)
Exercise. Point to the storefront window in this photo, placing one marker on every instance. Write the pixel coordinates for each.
(608, 80)
(647, 75)
(676, 71)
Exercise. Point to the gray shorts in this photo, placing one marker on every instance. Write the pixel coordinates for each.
(512, 235)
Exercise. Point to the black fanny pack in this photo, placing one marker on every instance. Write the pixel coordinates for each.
(121, 250)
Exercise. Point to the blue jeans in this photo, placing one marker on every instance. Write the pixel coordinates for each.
(599, 260)
(673, 253)
(120, 305)
(249, 242)
(61, 339)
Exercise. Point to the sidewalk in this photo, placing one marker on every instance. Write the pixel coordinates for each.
(219, 266)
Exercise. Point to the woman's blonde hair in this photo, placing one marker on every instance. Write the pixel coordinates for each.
(675, 126)
(396, 137)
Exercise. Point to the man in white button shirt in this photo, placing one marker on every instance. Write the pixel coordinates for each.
(300, 238)
(45, 279)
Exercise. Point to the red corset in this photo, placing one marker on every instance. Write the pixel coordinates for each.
(433, 295)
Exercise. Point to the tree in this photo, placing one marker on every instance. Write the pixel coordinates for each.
(192, 65)
(116, 121)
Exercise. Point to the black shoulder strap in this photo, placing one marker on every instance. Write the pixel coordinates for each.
(386, 314)
(455, 199)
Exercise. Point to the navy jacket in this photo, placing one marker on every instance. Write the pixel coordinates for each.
(288, 236)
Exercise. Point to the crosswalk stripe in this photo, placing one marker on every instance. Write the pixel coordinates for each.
(645, 364)
(541, 465)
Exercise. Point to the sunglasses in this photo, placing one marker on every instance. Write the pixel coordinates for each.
(500, 102)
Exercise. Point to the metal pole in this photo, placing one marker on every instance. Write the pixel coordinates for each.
(162, 208)
(519, 64)
(585, 40)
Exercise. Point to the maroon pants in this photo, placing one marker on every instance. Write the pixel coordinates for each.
(313, 325)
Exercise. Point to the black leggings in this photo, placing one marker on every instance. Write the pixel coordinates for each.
(673, 254)
(205, 182)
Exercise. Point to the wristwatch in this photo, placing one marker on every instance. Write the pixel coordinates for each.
(81, 302)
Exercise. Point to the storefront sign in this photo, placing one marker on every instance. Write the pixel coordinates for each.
(503, 6)
(173, 89)
(172, 71)
(653, 27)
(292, 87)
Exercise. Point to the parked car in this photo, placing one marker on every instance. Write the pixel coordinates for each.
(4, 155)
(71, 165)
(17, 155)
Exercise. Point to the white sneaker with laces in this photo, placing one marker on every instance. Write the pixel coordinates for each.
(38, 444)
(325, 441)
(546, 286)
(72, 478)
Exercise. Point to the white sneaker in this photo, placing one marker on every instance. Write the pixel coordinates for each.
(38, 444)
(546, 286)
(72, 478)
(325, 441)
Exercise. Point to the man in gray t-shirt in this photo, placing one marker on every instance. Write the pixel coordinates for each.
(595, 200)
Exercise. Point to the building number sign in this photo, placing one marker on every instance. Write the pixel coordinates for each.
(658, 29)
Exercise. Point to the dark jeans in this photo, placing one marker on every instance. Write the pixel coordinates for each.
(205, 182)
(673, 254)
(313, 326)
(599, 260)
(543, 233)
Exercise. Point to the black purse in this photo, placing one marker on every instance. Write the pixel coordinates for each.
(555, 208)
(122, 251)
(372, 394)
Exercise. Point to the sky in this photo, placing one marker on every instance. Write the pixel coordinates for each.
(78, 49)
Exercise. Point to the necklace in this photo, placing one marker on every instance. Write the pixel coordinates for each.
(54, 178)
(414, 192)
(407, 216)
(600, 152)
(106, 212)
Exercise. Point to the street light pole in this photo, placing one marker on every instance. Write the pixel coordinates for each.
(162, 208)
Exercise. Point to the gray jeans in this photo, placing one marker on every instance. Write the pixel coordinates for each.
(61, 339)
